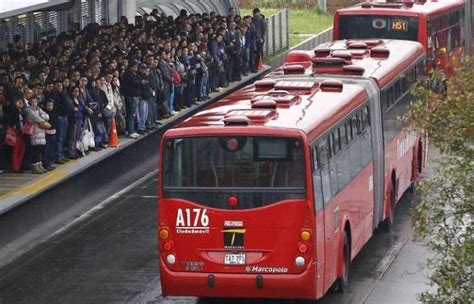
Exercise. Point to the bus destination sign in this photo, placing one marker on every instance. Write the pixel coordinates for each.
(399, 25)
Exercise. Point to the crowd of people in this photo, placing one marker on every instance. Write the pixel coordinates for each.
(59, 97)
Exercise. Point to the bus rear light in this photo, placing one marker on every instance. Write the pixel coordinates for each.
(168, 246)
(305, 235)
(171, 259)
(164, 234)
(233, 201)
(302, 248)
(299, 261)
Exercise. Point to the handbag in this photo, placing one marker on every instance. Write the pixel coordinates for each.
(28, 128)
(11, 136)
(88, 136)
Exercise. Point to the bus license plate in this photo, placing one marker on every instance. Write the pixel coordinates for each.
(234, 259)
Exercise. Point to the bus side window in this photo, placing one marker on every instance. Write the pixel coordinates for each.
(366, 137)
(317, 180)
(337, 141)
(455, 37)
(342, 159)
(355, 156)
(333, 164)
(355, 120)
(390, 97)
(364, 118)
(350, 133)
(323, 164)
(343, 136)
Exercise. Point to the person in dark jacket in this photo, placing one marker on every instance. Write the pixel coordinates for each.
(167, 76)
(245, 40)
(260, 27)
(94, 108)
(130, 85)
(63, 107)
(49, 149)
(217, 49)
(147, 93)
(156, 84)
(75, 121)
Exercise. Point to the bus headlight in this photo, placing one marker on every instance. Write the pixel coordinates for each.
(171, 259)
(299, 261)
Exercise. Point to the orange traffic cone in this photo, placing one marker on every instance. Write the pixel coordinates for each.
(114, 141)
(260, 63)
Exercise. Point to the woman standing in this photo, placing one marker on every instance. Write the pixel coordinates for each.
(75, 130)
(15, 120)
(37, 138)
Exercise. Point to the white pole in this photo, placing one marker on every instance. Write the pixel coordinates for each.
(322, 5)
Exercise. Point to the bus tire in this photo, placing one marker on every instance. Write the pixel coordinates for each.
(387, 224)
(342, 283)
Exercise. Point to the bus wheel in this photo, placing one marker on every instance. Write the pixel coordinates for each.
(342, 283)
(387, 224)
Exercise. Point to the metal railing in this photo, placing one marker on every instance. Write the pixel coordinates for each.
(307, 44)
(277, 36)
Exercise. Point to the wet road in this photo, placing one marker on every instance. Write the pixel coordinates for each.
(110, 255)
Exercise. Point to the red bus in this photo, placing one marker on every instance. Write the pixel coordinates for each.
(272, 192)
(393, 65)
(437, 24)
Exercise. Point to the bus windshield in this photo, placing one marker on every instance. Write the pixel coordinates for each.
(259, 170)
(383, 27)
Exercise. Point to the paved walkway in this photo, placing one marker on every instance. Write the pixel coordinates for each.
(406, 277)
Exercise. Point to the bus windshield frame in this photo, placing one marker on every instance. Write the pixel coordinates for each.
(261, 169)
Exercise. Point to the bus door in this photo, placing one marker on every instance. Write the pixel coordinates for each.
(327, 224)
(377, 148)
(319, 223)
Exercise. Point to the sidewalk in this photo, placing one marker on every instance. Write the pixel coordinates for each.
(405, 278)
(18, 188)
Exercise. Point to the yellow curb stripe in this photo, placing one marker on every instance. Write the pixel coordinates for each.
(37, 185)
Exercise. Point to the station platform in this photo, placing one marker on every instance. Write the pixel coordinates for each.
(32, 205)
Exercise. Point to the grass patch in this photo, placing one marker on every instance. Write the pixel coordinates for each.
(300, 21)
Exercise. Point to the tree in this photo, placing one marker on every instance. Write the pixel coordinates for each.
(445, 214)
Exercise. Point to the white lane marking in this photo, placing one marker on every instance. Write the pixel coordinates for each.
(101, 205)
(384, 264)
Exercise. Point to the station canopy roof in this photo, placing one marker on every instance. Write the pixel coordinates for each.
(10, 8)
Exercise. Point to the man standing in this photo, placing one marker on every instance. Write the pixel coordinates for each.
(168, 89)
(64, 109)
(156, 84)
(260, 29)
(131, 90)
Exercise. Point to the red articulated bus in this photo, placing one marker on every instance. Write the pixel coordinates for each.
(437, 24)
(271, 192)
(393, 65)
